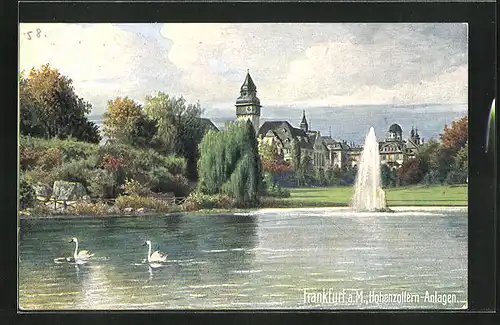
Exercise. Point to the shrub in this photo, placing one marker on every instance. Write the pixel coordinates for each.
(348, 177)
(85, 208)
(133, 187)
(197, 201)
(76, 171)
(77, 150)
(273, 189)
(137, 202)
(28, 158)
(102, 184)
(456, 177)
(112, 163)
(432, 178)
(40, 175)
(26, 194)
(175, 165)
(50, 158)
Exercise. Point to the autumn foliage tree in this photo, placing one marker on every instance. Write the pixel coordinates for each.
(50, 108)
(272, 160)
(120, 116)
(455, 136)
(410, 172)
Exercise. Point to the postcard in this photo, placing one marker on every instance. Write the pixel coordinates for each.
(216, 166)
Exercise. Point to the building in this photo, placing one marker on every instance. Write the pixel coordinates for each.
(324, 151)
(248, 104)
(394, 150)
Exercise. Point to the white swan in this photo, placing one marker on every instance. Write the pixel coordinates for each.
(80, 256)
(157, 256)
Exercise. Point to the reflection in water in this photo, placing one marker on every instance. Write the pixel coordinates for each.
(258, 261)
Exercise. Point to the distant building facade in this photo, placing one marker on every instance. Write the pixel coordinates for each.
(394, 150)
(324, 151)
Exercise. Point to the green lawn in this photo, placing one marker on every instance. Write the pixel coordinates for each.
(455, 195)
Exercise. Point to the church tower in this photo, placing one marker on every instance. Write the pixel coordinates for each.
(248, 105)
(303, 124)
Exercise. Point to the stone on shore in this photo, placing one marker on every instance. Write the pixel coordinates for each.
(68, 191)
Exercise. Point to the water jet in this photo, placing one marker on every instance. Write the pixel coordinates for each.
(368, 194)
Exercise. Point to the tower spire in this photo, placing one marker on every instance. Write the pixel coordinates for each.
(303, 124)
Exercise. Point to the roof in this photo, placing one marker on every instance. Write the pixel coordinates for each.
(395, 146)
(395, 128)
(298, 132)
(276, 126)
(303, 123)
(248, 84)
(272, 125)
(207, 123)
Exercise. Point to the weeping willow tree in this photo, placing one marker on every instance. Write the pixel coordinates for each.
(230, 164)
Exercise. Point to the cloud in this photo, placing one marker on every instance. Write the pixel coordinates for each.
(292, 64)
(324, 64)
(103, 60)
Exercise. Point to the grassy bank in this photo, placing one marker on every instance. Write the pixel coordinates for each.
(437, 195)
(444, 195)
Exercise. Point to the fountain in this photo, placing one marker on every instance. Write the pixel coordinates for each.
(368, 194)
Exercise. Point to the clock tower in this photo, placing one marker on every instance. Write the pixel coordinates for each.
(248, 105)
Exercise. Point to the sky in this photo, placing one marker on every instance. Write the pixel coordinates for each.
(297, 66)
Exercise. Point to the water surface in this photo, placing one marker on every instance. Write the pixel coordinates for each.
(268, 259)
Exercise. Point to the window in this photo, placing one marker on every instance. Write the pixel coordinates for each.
(284, 130)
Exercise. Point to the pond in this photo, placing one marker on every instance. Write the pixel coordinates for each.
(324, 258)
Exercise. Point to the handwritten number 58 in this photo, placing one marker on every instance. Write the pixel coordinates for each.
(38, 33)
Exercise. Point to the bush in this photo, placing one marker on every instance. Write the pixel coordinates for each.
(70, 150)
(77, 150)
(28, 158)
(102, 184)
(76, 171)
(50, 158)
(197, 201)
(137, 202)
(27, 196)
(432, 178)
(175, 165)
(456, 177)
(133, 187)
(348, 177)
(274, 189)
(85, 208)
(39, 175)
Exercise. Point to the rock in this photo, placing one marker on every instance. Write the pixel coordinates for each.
(42, 191)
(141, 210)
(128, 210)
(63, 190)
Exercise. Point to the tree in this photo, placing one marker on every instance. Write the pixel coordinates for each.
(49, 107)
(462, 158)
(179, 127)
(427, 156)
(455, 136)
(410, 172)
(230, 164)
(272, 161)
(142, 132)
(120, 117)
(302, 173)
(388, 176)
(295, 151)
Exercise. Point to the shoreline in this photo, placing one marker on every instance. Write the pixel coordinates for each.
(239, 212)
